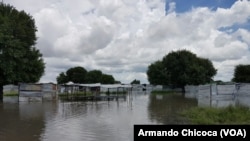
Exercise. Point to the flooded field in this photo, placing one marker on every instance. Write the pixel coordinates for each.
(88, 120)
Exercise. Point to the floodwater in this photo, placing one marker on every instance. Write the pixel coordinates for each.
(88, 120)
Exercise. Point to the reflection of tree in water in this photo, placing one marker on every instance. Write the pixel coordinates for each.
(69, 109)
(165, 109)
(24, 122)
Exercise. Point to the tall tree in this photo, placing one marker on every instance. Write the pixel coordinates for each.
(81, 75)
(135, 82)
(20, 61)
(62, 78)
(184, 67)
(94, 76)
(107, 79)
(242, 73)
(157, 75)
(76, 74)
(180, 68)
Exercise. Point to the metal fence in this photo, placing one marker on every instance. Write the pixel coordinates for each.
(10, 87)
(220, 95)
(37, 92)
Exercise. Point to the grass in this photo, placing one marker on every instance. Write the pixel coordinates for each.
(210, 115)
(88, 93)
(119, 92)
(75, 94)
(162, 92)
(10, 93)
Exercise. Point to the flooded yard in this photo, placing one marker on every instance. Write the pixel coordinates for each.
(88, 120)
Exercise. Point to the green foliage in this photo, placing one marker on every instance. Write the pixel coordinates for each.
(115, 93)
(81, 75)
(157, 74)
(107, 79)
(135, 82)
(180, 68)
(76, 94)
(242, 73)
(117, 82)
(162, 92)
(20, 61)
(225, 115)
(10, 93)
(94, 76)
(62, 78)
(76, 74)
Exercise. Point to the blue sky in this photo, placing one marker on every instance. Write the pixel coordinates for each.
(187, 5)
(183, 6)
(123, 37)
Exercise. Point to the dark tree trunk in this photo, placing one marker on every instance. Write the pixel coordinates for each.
(1, 92)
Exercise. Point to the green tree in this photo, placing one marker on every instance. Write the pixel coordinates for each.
(94, 76)
(62, 78)
(76, 74)
(20, 61)
(135, 82)
(242, 73)
(157, 74)
(81, 75)
(180, 68)
(117, 82)
(107, 79)
(184, 67)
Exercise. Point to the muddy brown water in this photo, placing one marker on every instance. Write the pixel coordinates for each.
(88, 120)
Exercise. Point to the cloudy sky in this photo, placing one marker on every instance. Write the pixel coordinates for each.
(123, 37)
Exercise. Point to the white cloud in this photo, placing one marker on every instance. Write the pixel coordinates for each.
(123, 37)
(243, 35)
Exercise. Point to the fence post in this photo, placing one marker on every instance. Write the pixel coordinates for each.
(210, 95)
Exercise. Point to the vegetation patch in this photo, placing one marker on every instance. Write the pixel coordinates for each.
(76, 94)
(163, 92)
(212, 115)
(116, 93)
(10, 93)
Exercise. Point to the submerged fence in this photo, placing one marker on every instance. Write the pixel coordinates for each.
(220, 95)
(37, 92)
(10, 88)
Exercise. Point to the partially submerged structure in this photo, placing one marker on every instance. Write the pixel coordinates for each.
(37, 92)
(74, 91)
(95, 87)
(95, 91)
(220, 95)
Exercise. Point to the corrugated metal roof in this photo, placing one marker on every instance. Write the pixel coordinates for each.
(103, 85)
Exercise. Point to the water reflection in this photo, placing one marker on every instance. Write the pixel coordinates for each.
(100, 120)
(223, 101)
(88, 120)
(165, 109)
(23, 121)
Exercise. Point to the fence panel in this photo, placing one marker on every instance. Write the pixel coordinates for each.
(37, 92)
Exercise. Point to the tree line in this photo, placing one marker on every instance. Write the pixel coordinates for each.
(81, 75)
(180, 68)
